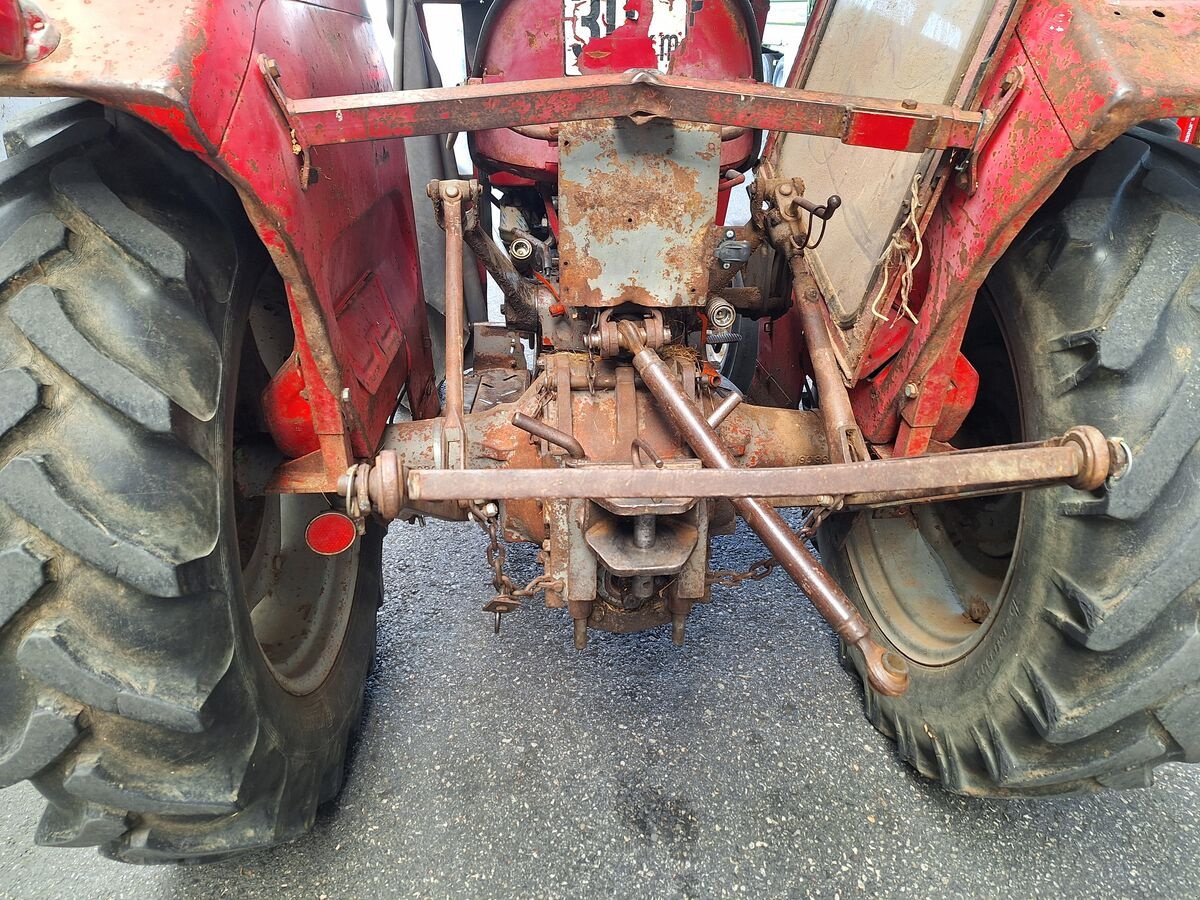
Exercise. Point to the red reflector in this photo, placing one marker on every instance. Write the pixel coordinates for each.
(12, 32)
(25, 34)
(330, 533)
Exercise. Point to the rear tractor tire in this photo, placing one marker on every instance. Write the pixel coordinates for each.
(181, 674)
(1052, 639)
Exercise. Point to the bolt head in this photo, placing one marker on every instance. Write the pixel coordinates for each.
(724, 265)
(345, 395)
(729, 232)
(451, 191)
(786, 188)
(911, 390)
(909, 103)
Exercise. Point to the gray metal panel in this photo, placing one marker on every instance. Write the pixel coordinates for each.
(636, 206)
(896, 50)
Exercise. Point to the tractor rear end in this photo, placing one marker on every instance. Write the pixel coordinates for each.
(954, 331)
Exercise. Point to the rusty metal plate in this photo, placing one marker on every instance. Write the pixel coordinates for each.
(636, 207)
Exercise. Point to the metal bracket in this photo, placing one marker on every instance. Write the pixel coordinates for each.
(309, 174)
(1010, 86)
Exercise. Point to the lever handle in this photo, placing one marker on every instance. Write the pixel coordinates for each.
(824, 212)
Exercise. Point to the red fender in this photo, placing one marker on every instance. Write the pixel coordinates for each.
(345, 245)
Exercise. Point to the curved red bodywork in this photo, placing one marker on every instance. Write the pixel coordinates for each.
(527, 39)
(1088, 75)
(345, 245)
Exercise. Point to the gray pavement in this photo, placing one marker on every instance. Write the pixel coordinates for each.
(739, 766)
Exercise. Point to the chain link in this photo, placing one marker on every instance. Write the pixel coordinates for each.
(760, 569)
(506, 590)
(591, 370)
(731, 578)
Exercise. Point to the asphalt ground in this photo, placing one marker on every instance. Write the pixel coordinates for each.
(737, 766)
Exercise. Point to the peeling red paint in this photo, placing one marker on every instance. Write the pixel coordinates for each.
(528, 40)
(628, 47)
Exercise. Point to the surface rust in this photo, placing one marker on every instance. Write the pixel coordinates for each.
(636, 207)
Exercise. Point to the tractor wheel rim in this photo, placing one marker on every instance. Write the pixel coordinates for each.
(935, 576)
(299, 601)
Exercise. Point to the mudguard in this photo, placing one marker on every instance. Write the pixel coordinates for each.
(345, 242)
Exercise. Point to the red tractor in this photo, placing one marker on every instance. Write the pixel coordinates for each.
(960, 328)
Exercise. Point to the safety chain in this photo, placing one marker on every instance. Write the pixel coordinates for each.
(508, 595)
(591, 370)
(731, 578)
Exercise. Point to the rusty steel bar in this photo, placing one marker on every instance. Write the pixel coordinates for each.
(878, 482)
(833, 401)
(450, 196)
(722, 410)
(861, 121)
(887, 672)
(520, 294)
(549, 433)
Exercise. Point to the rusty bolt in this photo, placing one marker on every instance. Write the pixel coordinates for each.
(272, 68)
(909, 103)
(911, 390)
(345, 395)
(786, 188)
(451, 191)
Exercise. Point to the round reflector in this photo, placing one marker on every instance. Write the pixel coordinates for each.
(330, 533)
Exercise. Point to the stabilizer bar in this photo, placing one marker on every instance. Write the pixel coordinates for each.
(862, 121)
(1082, 458)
